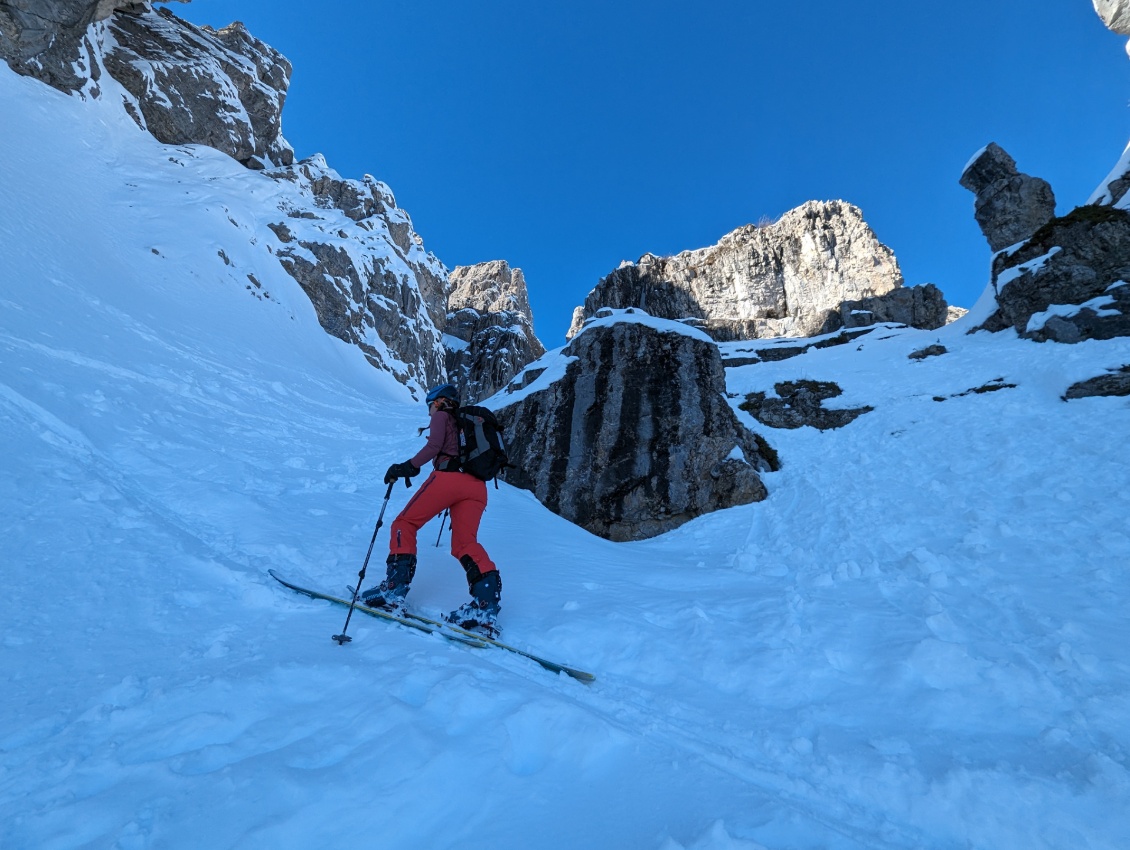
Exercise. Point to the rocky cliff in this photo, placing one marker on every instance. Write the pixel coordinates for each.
(819, 268)
(627, 431)
(365, 269)
(489, 327)
(195, 85)
(347, 244)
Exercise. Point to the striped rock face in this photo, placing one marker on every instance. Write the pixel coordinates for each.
(634, 435)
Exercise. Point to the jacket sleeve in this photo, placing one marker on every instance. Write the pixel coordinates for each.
(439, 430)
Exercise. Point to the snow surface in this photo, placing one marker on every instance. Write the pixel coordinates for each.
(918, 641)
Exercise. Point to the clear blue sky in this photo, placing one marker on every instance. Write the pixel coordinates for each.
(565, 137)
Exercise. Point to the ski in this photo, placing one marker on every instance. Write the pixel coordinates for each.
(579, 675)
(376, 612)
(412, 615)
(446, 630)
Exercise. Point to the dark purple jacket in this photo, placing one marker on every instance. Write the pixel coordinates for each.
(443, 441)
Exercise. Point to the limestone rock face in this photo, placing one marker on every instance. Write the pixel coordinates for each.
(489, 327)
(44, 38)
(1069, 282)
(627, 432)
(1010, 206)
(801, 276)
(195, 85)
(364, 268)
(491, 287)
(1115, 14)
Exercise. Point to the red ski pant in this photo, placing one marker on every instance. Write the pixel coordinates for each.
(465, 496)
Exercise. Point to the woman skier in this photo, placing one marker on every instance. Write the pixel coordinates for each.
(465, 498)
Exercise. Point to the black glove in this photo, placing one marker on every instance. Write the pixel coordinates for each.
(401, 470)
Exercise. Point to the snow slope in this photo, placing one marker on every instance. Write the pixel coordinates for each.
(918, 641)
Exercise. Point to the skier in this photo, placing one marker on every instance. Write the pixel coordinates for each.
(465, 498)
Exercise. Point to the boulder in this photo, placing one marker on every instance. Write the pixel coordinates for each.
(921, 306)
(800, 403)
(804, 275)
(489, 328)
(933, 350)
(1115, 383)
(627, 431)
(1010, 206)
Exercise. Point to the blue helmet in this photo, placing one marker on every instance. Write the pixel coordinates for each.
(443, 391)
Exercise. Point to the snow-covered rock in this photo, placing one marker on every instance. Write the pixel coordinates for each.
(1114, 382)
(365, 269)
(185, 84)
(1010, 206)
(804, 275)
(627, 431)
(1063, 279)
(1069, 281)
(801, 403)
(490, 328)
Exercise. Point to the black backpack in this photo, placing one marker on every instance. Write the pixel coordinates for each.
(482, 451)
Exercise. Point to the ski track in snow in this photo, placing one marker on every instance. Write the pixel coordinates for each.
(918, 640)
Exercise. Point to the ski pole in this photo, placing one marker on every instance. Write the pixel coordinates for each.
(343, 638)
(441, 522)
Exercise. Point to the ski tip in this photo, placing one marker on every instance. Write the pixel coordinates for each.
(580, 675)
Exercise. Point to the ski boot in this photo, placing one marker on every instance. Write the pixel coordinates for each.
(481, 613)
(389, 594)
